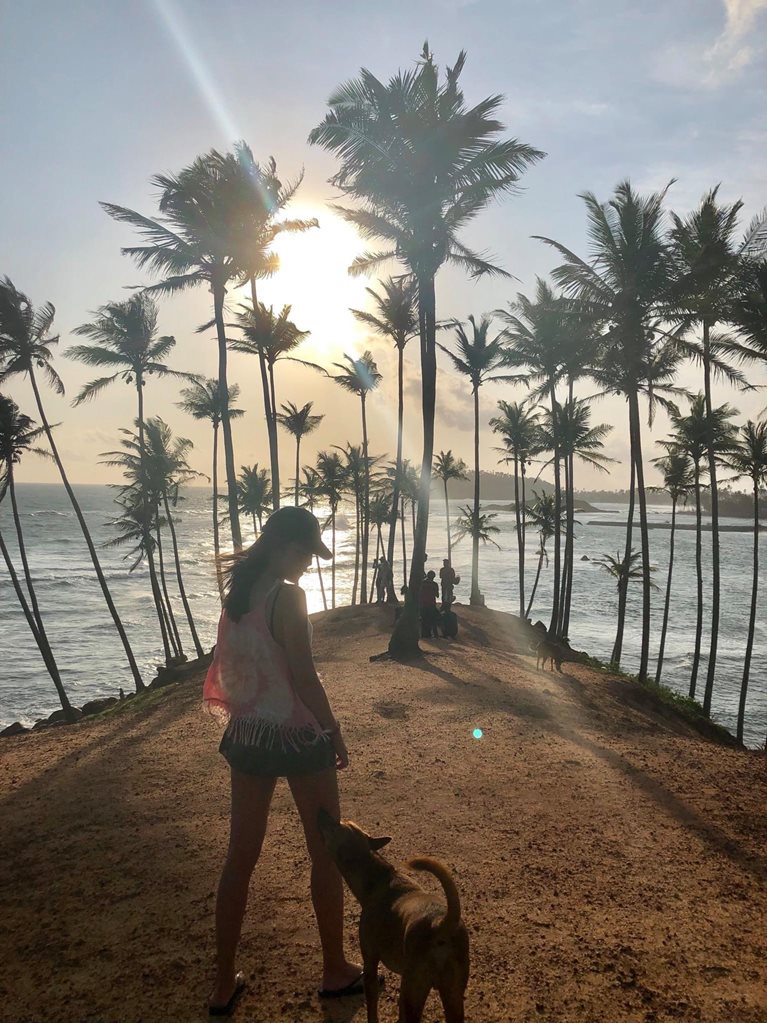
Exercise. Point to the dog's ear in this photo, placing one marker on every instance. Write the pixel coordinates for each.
(379, 843)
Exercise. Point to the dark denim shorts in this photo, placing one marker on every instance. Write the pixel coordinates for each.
(278, 762)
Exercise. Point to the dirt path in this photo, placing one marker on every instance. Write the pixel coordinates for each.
(612, 864)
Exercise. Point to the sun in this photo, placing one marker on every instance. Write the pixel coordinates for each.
(313, 279)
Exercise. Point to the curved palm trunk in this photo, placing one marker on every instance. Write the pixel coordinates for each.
(402, 535)
(216, 537)
(269, 413)
(322, 584)
(226, 423)
(275, 440)
(365, 506)
(447, 524)
(180, 580)
(24, 562)
(557, 516)
(356, 547)
(42, 643)
(541, 556)
(523, 545)
(404, 638)
(715, 558)
(751, 619)
(570, 546)
(518, 527)
(87, 536)
(615, 657)
(699, 574)
(475, 597)
(170, 619)
(391, 595)
(667, 603)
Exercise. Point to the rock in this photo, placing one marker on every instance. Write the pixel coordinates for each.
(59, 717)
(15, 729)
(96, 706)
(585, 557)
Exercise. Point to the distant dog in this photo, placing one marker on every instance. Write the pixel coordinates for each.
(556, 651)
(401, 925)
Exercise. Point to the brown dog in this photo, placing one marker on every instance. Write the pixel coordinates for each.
(556, 651)
(401, 925)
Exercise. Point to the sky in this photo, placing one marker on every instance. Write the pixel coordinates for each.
(103, 96)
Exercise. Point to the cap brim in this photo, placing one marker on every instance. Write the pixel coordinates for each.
(323, 551)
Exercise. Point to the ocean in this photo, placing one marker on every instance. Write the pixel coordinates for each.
(92, 662)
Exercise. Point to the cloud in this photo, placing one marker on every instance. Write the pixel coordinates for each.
(695, 63)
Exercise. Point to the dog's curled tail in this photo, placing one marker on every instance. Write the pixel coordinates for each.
(453, 916)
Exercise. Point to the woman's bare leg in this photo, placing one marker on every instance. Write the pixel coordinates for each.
(313, 792)
(251, 798)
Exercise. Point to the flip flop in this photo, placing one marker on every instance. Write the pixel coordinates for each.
(354, 987)
(231, 1005)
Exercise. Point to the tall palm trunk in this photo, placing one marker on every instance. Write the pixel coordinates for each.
(404, 638)
(169, 618)
(667, 603)
(379, 545)
(475, 596)
(356, 547)
(269, 413)
(216, 537)
(751, 618)
(365, 506)
(298, 468)
(569, 545)
(180, 580)
(699, 574)
(40, 639)
(557, 515)
(518, 526)
(615, 657)
(87, 536)
(322, 584)
(273, 429)
(715, 559)
(24, 562)
(402, 535)
(523, 542)
(447, 525)
(223, 395)
(333, 562)
(391, 595)
(644, 654)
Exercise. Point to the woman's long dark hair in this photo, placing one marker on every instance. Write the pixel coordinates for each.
(241, 571)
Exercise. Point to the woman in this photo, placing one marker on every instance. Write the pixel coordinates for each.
(264, 685)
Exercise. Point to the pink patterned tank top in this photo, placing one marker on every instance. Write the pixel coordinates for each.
(249, 686)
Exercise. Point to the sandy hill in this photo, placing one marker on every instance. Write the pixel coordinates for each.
(612, 862)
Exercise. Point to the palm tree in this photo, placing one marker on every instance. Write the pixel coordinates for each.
(269, 337)
(310, 491)
(476, 525)
(354, 484)
(254, 494)
(17, 437)
(421, 165)
(480, 358)
(25, 345)
(257, 198)
(169, 471)
(707, 278)
(537, 333)
(623, 570)
(203, 401)
(542, 515)
(749, 459)
(331, 476)
(577, 439)
(194, 241)
(678, 483)
(396, 318)
(621, 288)
(380, 514)
(692, 435)
(299, 422)
(360, 376)
(519, 427)
(448, 467)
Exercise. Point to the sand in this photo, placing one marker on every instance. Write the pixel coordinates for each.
(612, 862)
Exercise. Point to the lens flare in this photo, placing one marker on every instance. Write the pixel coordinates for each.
(477, 733)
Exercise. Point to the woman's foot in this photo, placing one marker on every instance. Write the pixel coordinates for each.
(336, 978)
(225, 994)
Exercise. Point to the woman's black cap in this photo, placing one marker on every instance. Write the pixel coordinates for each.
(299, 525)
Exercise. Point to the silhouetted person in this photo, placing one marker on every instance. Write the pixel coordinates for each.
(382, 579)
(447, 579)
(428, 603)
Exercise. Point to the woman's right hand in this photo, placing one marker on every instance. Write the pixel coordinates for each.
(342, 754)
